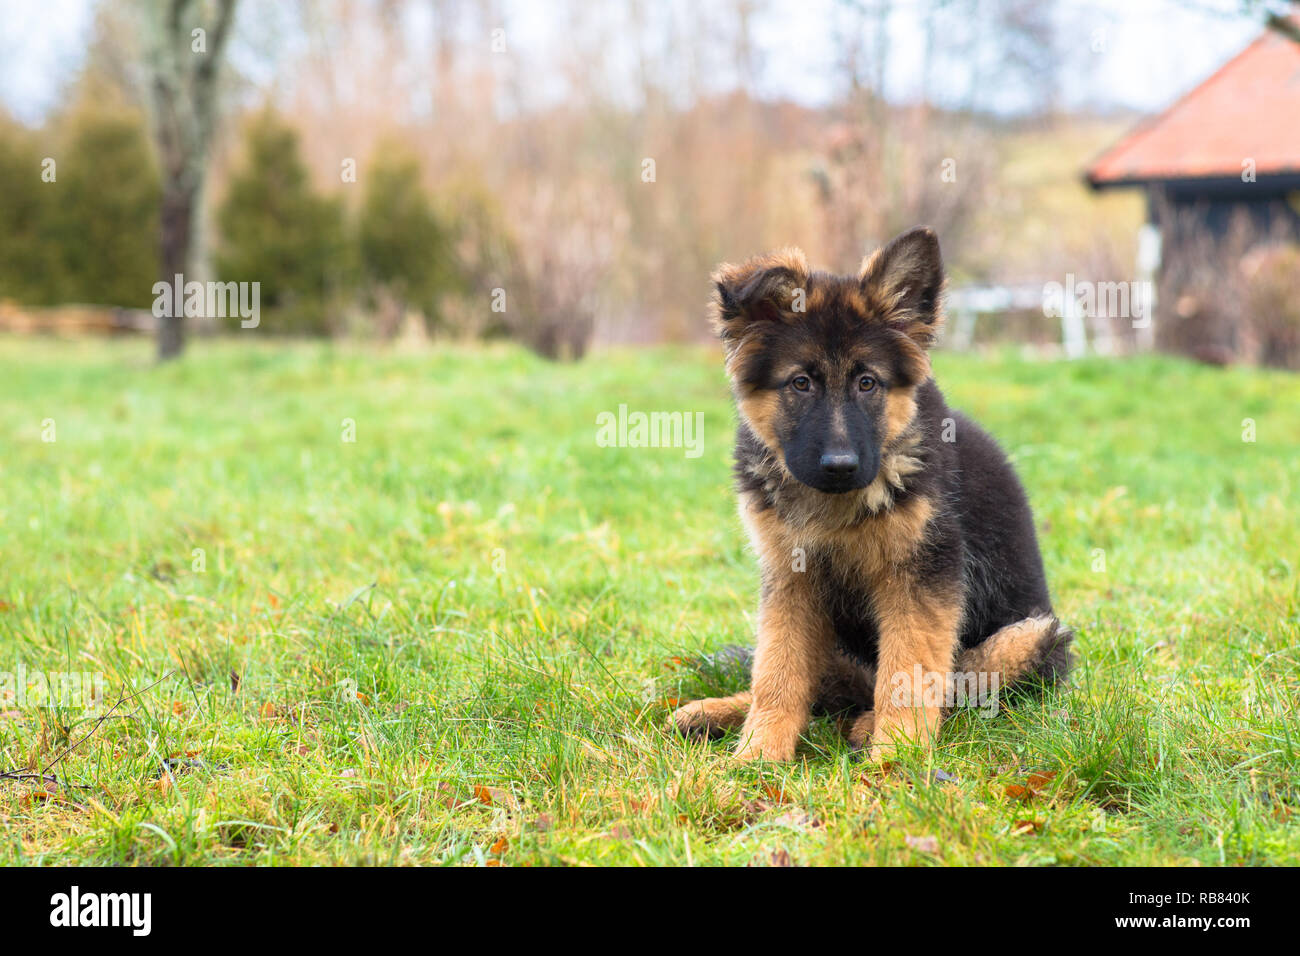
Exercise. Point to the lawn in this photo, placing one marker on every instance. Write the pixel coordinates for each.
(456, 639)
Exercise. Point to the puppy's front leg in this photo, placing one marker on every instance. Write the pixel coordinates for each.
(918, 642)
(794, 644)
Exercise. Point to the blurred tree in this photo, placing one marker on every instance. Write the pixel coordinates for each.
(30, 264)
(103, 217)
(274, 229)
(184, 60)
(1282, 16)
(64, 236)
(407, 251)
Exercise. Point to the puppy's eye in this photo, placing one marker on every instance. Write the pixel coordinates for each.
(801, 383)
(866, 383)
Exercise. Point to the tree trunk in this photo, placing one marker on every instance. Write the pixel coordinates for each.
(177, 219)
(184, 60)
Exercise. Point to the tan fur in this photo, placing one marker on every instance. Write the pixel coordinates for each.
(918, 636)
(795, 641)
(1010, 651)
(790, 257)
(900, 409)
(795, 638)
(790, 266)
(712, 715)
(886, 277)
(859, 730)
(888, 539)
(758, 410)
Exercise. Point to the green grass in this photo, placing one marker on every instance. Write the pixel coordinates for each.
(474, 602)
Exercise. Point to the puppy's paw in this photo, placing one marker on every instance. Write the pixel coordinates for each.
(882, 752)
(748, 753)
(691, 720)
(764, 744)
(711, 717)
(858, 730)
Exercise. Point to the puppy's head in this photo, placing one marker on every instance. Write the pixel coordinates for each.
(825, 367)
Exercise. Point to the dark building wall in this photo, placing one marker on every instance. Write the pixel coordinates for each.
(1206, 228)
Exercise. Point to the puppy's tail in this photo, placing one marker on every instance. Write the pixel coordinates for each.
(1034, 647)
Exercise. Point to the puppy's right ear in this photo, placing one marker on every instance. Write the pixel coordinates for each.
(757, 291)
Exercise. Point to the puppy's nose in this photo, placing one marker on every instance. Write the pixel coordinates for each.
(839, 463)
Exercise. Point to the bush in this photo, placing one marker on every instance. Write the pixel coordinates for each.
(273, 228)
(564, 250)
(106, 212)
(90, 235)
(30, 263)
(407, 250)
(1273, 303)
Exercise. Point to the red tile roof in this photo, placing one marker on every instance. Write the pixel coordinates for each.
(1249, 109)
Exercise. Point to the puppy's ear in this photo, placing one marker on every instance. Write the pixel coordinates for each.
(902, 283)
(760, 290)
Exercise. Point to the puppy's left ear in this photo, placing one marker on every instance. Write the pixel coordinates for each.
(756, 294)
(903, 282)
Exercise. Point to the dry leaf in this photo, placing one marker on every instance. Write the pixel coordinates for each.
(492, 796)
(33, 797)
(1016, 792)
(876, 774)
(1037, 781)
(178, 708)
(500, 846)
(268, 710)
(775, 792)
(1026, 827)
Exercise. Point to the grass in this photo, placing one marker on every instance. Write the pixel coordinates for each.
(456, 639)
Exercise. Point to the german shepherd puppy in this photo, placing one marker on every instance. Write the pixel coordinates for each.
(896, 544)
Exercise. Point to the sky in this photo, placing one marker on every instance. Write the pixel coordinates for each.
(1134, 54)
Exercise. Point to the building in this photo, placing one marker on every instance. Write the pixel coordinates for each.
(1221, 170)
